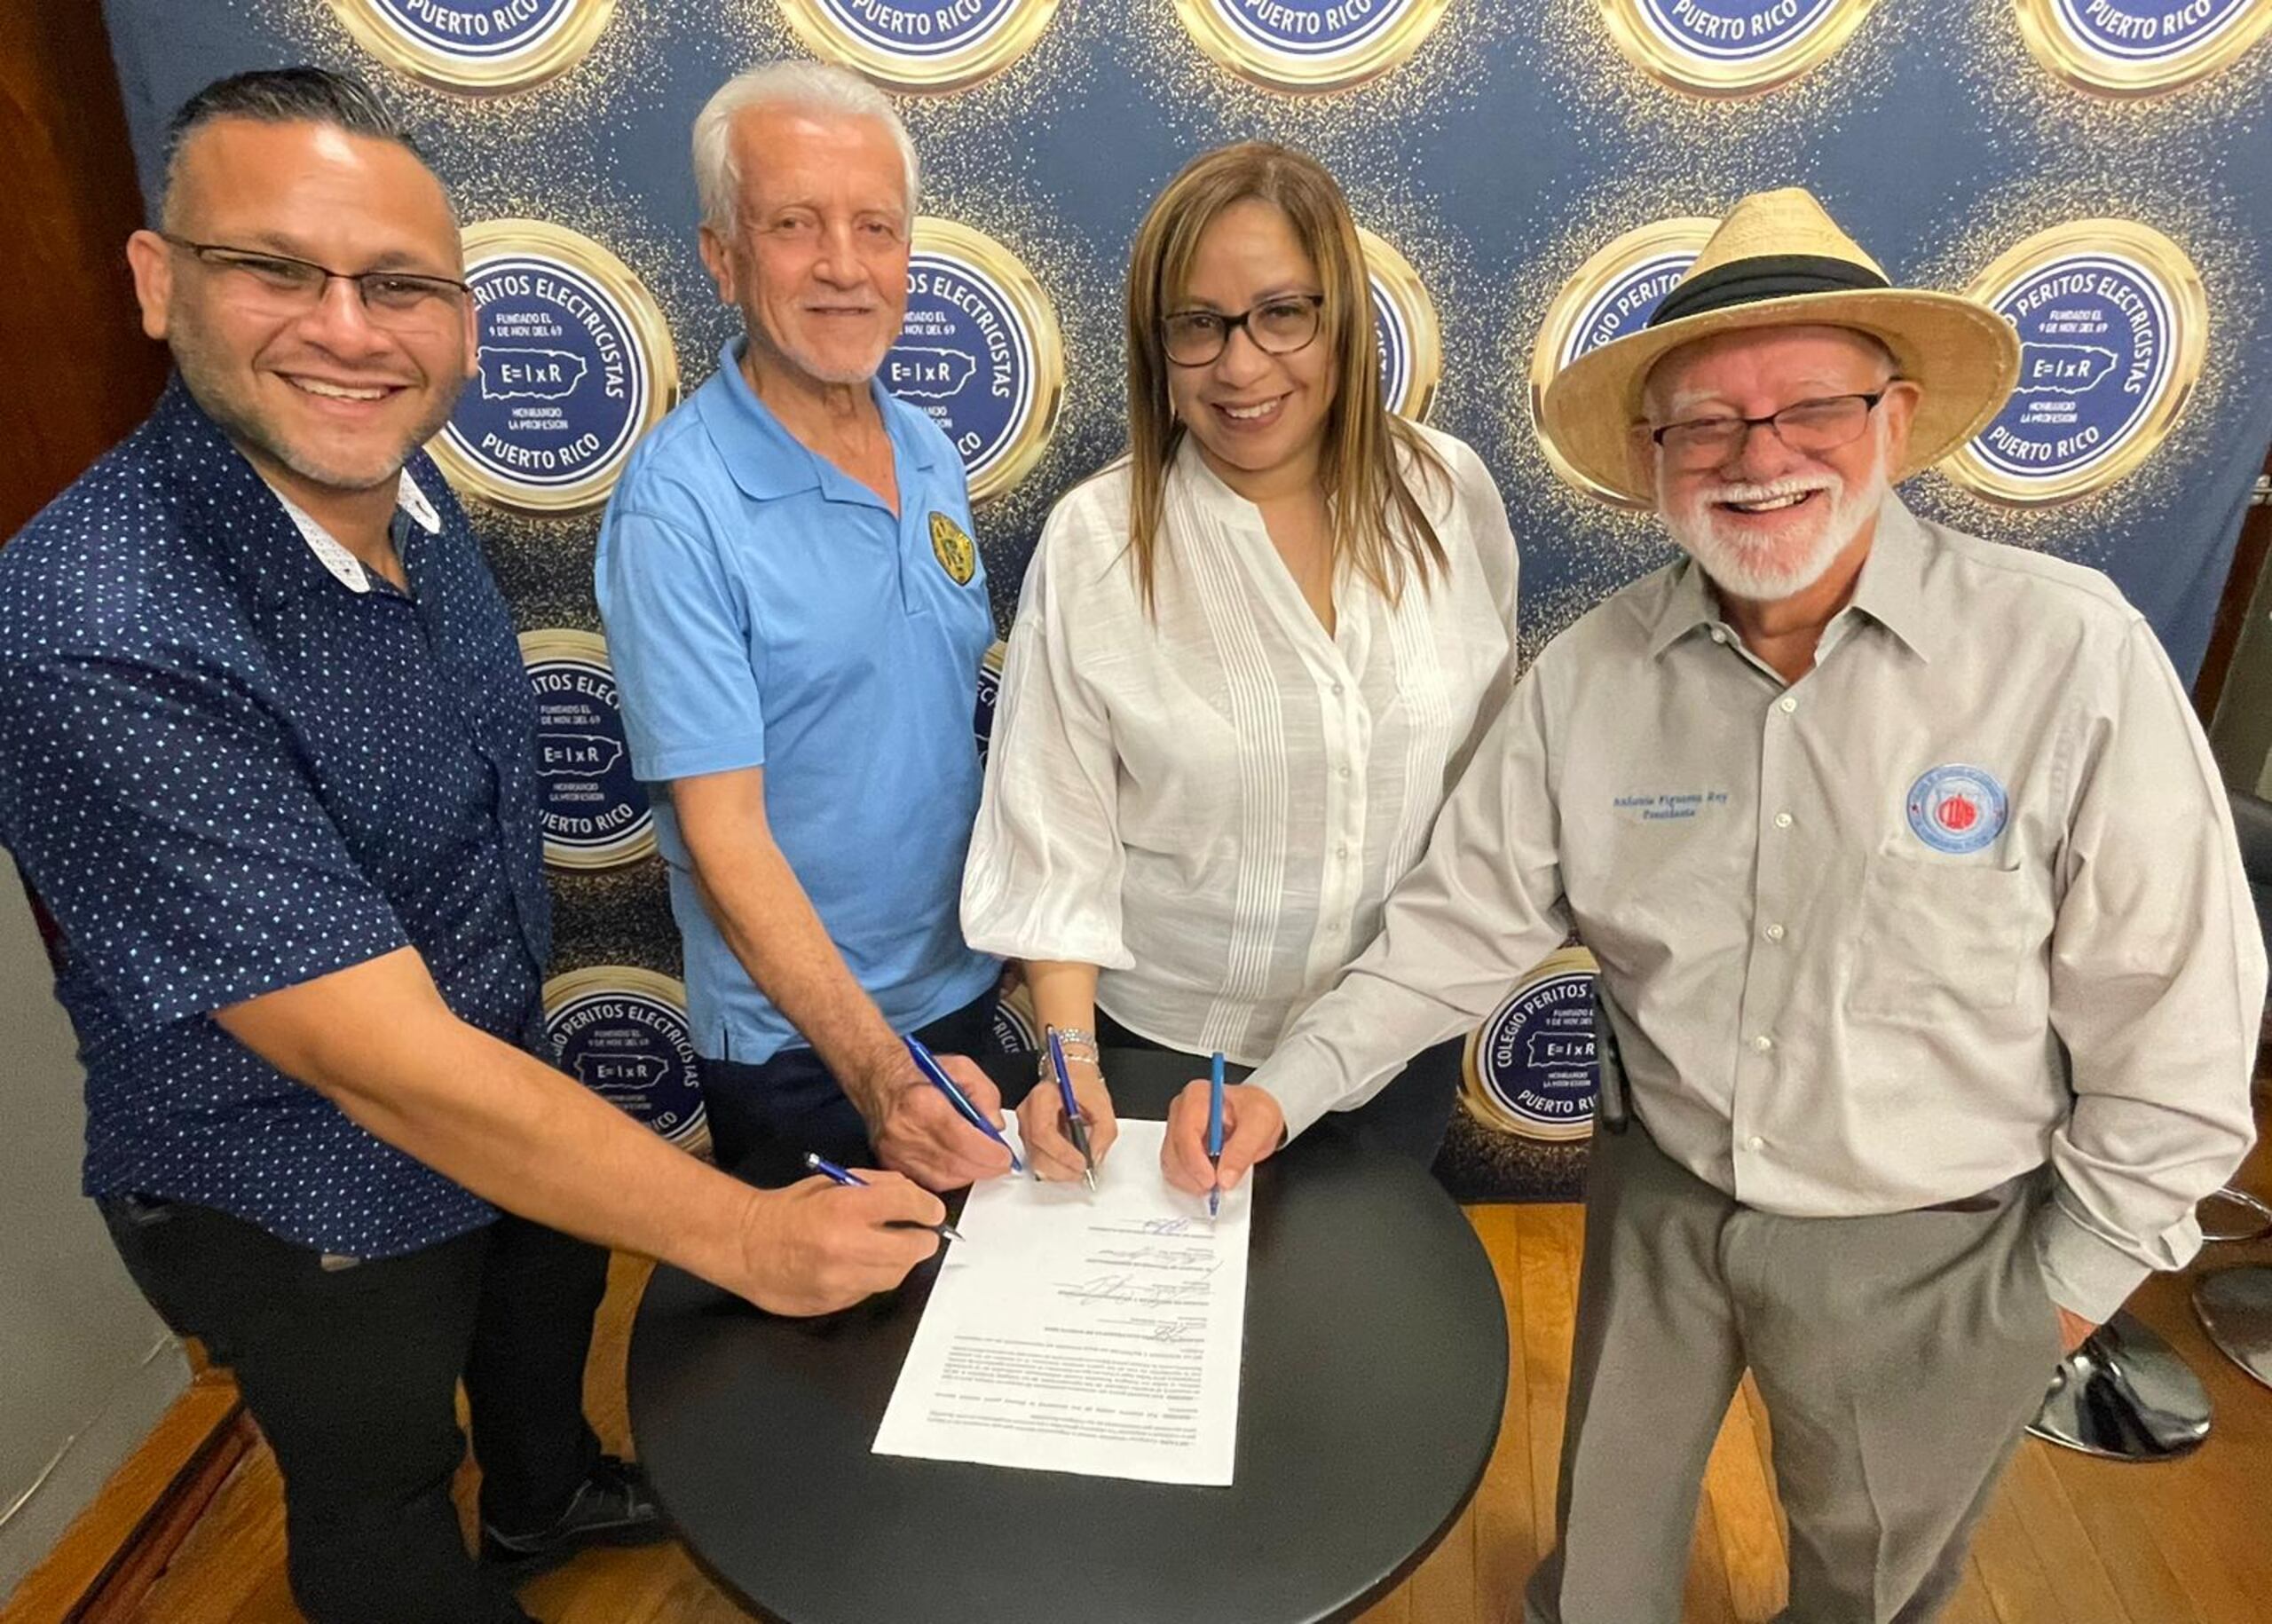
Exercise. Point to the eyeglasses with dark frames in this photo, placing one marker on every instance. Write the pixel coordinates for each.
(392, 298)
(1806, 426)
(1276, 327)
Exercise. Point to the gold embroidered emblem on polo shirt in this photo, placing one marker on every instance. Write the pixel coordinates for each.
(952, 547)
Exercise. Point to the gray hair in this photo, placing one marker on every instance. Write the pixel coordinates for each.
(812, 87)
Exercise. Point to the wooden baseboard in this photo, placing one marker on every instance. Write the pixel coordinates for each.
(116, 1547)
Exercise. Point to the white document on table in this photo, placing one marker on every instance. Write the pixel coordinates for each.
(1092, 1334)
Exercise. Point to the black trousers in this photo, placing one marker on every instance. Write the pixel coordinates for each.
(352, 1373)
(764, 1118)
(1407, 1118)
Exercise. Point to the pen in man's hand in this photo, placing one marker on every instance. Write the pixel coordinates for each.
(928, 1064)
(1076, 1124)
(1215, 1132)
(829, 1169)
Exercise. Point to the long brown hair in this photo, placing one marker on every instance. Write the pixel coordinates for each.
(1379, 523)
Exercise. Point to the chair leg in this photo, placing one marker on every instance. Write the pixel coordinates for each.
(2234, 1307)
(2125, 1395)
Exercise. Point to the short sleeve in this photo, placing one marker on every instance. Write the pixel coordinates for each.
(679, 636)
(161, 813)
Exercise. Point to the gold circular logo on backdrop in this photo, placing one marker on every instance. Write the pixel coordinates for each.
(1731, 47)
(929, 47)
(575, 364)
(980, 351)
(1309, 46)
(1530, 1068)
(592, 807)
(2113, 323)
(1612, 296)
(1404, 324)
(2140, 47)
(477, 47)
(623, 1033)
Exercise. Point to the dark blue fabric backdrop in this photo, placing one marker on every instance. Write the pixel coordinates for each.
(1515, 141)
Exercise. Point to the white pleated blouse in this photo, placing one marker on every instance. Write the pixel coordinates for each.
(1211, 804)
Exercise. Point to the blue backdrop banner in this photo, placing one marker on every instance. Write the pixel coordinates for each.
(1531, 175)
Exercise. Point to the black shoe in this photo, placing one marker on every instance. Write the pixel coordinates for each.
(613, 1506)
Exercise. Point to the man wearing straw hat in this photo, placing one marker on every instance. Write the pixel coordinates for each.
(1923, 932)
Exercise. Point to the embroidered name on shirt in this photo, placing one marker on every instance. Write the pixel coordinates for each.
(1669, 806)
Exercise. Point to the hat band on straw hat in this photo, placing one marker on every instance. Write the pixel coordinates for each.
(1766, 276)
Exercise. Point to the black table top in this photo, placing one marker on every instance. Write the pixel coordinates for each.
(1375, 1372)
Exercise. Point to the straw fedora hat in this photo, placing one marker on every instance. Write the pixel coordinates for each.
(1778, 260)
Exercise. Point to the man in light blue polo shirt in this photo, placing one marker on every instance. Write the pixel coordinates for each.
(797, 615)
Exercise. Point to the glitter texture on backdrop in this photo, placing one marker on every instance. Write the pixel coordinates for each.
(1511, 141)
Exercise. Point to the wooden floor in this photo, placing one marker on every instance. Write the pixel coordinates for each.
(2071, 1541)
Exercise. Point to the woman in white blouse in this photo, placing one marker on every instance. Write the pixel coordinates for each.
(1251, 659)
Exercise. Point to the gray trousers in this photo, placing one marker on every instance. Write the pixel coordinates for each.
(1899, 1358)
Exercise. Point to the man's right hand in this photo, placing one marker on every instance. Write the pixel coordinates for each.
(818, 1246)
(915, 1129)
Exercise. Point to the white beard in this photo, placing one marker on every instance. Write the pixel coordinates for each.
(1740, 565)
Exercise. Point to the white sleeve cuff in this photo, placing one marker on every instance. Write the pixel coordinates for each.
(2086, 1275)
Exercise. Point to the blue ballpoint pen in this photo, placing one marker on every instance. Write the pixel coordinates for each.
(829, 1169)
(1075, 1123)
(1215, 1130)
(925, 1063)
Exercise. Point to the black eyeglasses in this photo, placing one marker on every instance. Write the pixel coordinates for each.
(293, 287)
(1807, 426)
(1277, 326)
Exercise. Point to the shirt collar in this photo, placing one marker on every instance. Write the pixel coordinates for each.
(766, 461)
(1688, 605)
(1890, 589)
(245, 520)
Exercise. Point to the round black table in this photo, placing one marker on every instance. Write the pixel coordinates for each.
(1375, 1372)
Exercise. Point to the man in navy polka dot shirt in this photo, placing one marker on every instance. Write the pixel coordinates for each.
(266, 757)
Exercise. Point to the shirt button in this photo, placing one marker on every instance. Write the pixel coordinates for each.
(1782, 820)
(1718, 636)
(1787, 704)
(1345, 770)
(1763, 1042)
(1341, 852)
(1774, 932)
(1336, 690)
(1755, 1143)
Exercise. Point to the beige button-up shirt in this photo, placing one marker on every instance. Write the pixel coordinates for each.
(1963, 899)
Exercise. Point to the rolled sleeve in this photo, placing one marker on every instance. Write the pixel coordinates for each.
(1042, 880)
(680, 635)
(2157, 983)
(165, 819)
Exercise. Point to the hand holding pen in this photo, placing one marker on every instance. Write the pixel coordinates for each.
(828, 1170)
(943, 1138)
(963, 1097)
(1076, 1126)
(1066, 1117)
(1215, 1134)
(812, 1249)
(1253, 1126)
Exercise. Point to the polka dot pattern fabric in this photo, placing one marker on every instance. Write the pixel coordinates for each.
(223, 772)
